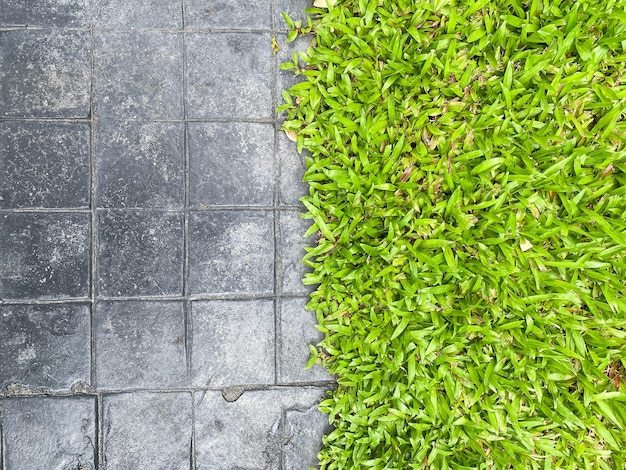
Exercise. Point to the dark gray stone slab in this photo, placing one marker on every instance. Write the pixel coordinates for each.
(248, 433)
(44, 164)
(58, 13)
(292, 250)
(131, 14)
(44, 73)
(147, 431)
(228, 14)
(231, 252)
(304, 429)
(231, 163)
(140, 345)
(292, 168)
(237, 435)
(140, 164)
(44, 256)
(49, 433)
(297, 331)
(45, 345)
(229, 75)
(138, 75)
(233, 343)
(140, 253)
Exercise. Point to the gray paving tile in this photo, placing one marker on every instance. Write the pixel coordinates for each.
(44, 164)
(44, 256)
(44, 73)
(304, 429)
(231, 163)
(140, 253)
(229, 75)
(233, 343)
(45, 345)
(131, 14)
(248, 432)
(139, 75)
(292, 168)
(297, 331)
(58, 13)
(292, 250)
(228, 14)
(147, 431)
(231, 252)
(49, 433)
(242, 434)
(140, 164)
(285, 79)
(294, 8)
(140, 344)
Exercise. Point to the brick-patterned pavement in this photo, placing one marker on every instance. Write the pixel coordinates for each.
(152, 314)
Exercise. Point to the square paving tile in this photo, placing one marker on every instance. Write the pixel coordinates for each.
(231, 252)
(292, 168)
(242, 434)
(140, 345)
(49, 433)
(233, 343)
(44, 73)
(231, 163)
(44, 256)
(140, 253)
(139, 75)
(248, 433)
(45, 346)
(304, 429)
(228, 14)
(140, 164)
(297, 331)
(147, 431)
(131, 14)
(44, 164)
(58, 13)
(229, 75)
(292, 250)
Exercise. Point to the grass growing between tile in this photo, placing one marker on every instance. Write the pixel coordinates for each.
(467, 178)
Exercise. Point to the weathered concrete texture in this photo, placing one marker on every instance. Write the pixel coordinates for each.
(140, 164)
(135, 14)
(44, 256)
(66, 13)
(49, 433)
(138, 75)
(292, 167)
(233, 343)
(228, 14)
(249, 432)
(231, 164)
(146, 431)
(297, 331)
(304, 428)
(229, 75)
(292, 251)
(44, 164)
(231, 252)
(44, 346)
(140, 253)
(296, 9)
(140, 345)
(44, 73)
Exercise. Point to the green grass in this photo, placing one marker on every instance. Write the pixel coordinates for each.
(468, 188)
